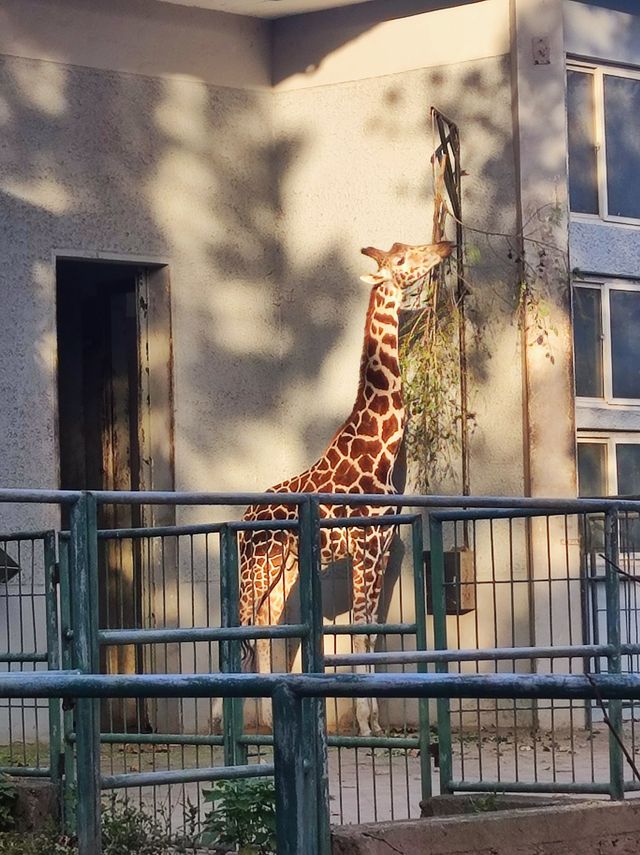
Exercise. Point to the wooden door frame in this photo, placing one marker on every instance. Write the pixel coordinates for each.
(156, 431)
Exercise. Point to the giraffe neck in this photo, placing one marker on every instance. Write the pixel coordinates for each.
(370, 438)
(379, 363)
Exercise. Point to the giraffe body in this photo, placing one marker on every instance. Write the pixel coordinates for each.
(359, 459)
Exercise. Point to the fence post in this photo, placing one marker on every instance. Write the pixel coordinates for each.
(420, 595)
(230, 653)
(294, 833)
(84, 615)
(438, 598)
(616, 769)
(53, 660)
(315, 729)
(66, 635)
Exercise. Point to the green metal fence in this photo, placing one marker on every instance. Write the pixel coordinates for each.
(29, 641)
(492, 570)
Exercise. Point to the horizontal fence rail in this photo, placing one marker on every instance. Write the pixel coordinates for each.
(75, 684)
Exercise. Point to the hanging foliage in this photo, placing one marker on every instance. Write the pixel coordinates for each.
(430, 365)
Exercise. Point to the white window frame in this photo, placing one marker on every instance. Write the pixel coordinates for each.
(606, 287)
(598, 72)
(609, 440)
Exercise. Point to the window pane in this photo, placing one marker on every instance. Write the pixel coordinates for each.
(592, 457)
(587, 342)
(628, 469)
(625, 343)
(622, 134)
(583, 181)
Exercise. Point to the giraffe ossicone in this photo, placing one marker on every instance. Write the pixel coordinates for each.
(360, 458)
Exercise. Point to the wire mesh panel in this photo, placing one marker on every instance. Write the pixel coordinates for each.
(155, 579)
(536, 608)
(28, 642)
(384, 774)
(165, 599)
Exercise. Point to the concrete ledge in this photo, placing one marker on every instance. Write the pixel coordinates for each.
(581, 828)
(36, 804)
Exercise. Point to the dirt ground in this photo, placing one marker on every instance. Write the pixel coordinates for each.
(376, 785)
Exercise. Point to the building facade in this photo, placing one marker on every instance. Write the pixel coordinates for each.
(183, 196)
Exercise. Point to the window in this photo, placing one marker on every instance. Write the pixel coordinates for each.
(603, 108)
(606, 320)
(609, 465)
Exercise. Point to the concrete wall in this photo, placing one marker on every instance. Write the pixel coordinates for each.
(353, 93)
(163, 157)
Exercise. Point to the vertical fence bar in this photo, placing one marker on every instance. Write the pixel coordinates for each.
(438, 598)
(295, 834)
(84, 613)
(420, 596)
(616, 769)
(53, 659)
(66, 638)
(230, 651)
(315, 729)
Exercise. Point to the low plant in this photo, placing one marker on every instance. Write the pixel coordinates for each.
(49, 841)
(129, 828)
(242, 817)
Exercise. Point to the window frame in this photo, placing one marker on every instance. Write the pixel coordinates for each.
(598, 72)
(609, 439)
(605, 287)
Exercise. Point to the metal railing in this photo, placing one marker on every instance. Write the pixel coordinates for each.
(300, 829)
(434, 616)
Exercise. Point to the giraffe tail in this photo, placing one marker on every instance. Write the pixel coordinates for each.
(248, 655)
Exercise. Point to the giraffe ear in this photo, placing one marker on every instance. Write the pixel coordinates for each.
(376, 278)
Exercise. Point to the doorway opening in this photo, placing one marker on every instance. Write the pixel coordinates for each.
(115, 427)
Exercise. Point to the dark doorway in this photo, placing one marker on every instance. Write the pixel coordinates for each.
(107, 316)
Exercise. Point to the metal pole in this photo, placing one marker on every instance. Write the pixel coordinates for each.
(315, 709)
(66, 637)
(53, 661)
(84, 613)
(420, 595)
(616, 769)
(235, 753)
(438, 598)
(294, 832)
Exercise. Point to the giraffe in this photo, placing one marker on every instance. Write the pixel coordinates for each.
(360, 458)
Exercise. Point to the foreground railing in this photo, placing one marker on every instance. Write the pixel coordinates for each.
(299, 828)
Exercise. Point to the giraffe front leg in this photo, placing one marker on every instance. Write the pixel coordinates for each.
(216, 715)
(367, 717)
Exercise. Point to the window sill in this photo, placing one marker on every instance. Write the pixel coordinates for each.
(596, 219)
(594, 415)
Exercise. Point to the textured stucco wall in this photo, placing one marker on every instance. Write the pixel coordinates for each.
(355, 171)
(167, 168)
(140, 36)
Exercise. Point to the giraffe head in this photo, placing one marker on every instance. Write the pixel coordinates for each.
(404, 264)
